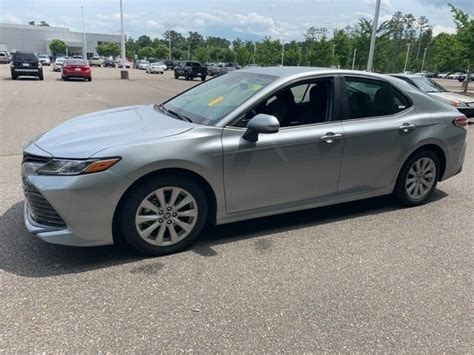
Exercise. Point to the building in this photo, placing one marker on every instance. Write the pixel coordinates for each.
(37, 39)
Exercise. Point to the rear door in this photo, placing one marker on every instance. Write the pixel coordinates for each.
(380, 127)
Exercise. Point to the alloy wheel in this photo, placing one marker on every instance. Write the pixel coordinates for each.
(420, 178)
(166, 216)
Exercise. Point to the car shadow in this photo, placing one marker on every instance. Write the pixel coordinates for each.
(23, 78)
(23, 254)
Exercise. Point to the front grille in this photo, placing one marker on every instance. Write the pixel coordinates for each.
(41, 211)
(467, 111)
(30, 158)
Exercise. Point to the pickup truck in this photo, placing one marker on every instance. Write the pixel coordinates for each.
(190, 70)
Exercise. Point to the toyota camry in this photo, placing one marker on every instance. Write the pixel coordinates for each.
(250, 143)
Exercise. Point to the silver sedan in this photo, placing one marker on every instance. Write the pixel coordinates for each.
(251, 143)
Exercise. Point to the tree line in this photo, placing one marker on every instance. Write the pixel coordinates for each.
(401, 35)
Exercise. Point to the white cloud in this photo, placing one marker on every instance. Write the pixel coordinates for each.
(9, 18)
(437, 29)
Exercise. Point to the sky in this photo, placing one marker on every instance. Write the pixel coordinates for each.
(245, 19)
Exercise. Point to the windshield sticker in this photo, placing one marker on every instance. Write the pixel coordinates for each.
(215, 101)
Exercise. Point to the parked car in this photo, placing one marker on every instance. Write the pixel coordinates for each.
(76, 68)
(44, 59)
(156, 67)
(442, 75)
(212, 69)
(109, 62)
(58, 63)
(190, 70)
(97, 61)
(119, 64)
(169, 64)
(143, 64)
(25, 64)
(248, 144)
(4, 58)
(454, 75)
(464, 103)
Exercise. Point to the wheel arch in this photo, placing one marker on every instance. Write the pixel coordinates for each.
(211, 197)
(436, 148)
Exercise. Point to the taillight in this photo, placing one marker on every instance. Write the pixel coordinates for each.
(461, 122)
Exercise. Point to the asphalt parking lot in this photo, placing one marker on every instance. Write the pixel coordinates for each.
(362, 276)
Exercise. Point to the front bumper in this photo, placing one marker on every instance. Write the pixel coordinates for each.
(86, 204)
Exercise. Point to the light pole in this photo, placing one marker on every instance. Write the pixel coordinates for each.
(354, 58)
(406, 59)
(189, 51)
(84, 35)
(123, 72)
(423, 61)
(169, 45)
(370, 61)
(65, 40)
(282, 52)
(254, 52)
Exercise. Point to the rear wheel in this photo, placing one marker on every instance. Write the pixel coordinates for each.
(162, 215)
(418, 178)
(203, 78)
(176, 76)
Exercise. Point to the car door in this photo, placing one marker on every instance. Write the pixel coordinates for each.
(300, 162)
(380, 127)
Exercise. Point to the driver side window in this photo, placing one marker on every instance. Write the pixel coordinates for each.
(303, 103)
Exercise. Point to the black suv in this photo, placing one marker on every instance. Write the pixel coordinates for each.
(25, 64)
(190, 70)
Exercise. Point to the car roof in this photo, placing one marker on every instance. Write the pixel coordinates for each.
(296, 72)
(410, 76)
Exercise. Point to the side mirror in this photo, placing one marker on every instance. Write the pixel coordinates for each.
(261, 123)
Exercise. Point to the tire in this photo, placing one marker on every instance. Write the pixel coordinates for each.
(40, 76)
(426, 178)
(14, 76)
(176, 76)
(203, 77)
(89, 78)
(65, 78)
(127, 227)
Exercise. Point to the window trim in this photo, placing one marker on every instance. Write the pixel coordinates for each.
(345, 98)
(335, 106)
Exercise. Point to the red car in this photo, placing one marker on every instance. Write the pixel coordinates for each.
(76, 68)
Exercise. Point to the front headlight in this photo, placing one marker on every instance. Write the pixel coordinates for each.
(76, 167)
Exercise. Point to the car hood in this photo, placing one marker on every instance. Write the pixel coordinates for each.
(448, 96)
(86, 135)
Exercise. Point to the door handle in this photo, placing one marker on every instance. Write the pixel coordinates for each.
(330, 137)
(407, 127)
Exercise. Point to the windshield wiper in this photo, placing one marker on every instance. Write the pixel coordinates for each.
(174, 113)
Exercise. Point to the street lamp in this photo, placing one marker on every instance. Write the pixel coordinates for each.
(84, 35)
(370, 61)
(123, 72)
(406, 59)
(282, 52)
(424, 57)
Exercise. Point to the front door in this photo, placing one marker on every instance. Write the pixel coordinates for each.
(300, 162)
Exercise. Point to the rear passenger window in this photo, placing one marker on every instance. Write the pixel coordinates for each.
(373, 98)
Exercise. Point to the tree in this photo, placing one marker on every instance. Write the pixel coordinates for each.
(143, 41)
(465, 35)
(57, 46)
(146, 52)
(108, 49)
(161, 51)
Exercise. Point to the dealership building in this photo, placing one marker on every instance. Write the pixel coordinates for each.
(37, 39)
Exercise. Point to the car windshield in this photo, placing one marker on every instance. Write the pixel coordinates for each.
(21, 57)
(428, 85)
(75, 62)
(211, 101)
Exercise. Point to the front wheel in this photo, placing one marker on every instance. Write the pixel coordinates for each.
(176, 76)
(203, 78)
(162, 215)
(418, 178)
(40, 76)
